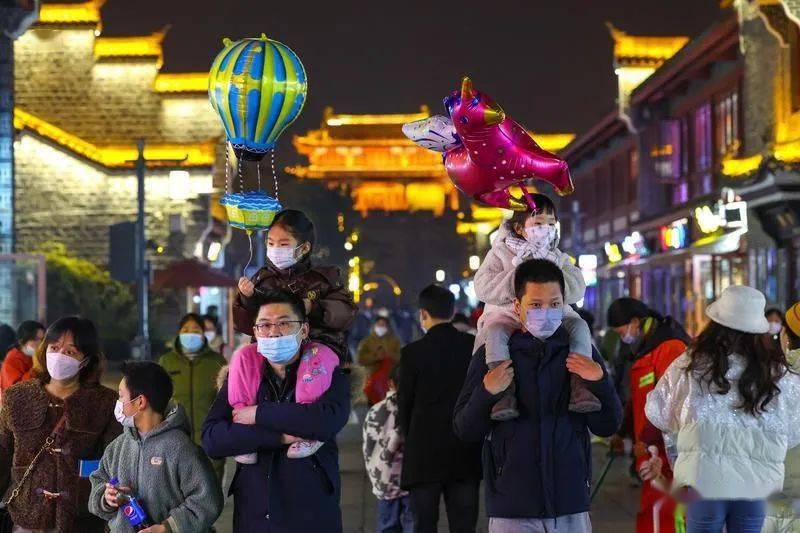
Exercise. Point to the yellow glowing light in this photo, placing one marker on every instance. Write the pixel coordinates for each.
(123, 47)
(707, 220)
(184, 155)
(788, 152)
(370, 120)
(369, 287)
(552, 142)
(84, 13)
(644, 50)
(613, 252)
(426, 197)
(186, 82)
(354, 279)
(397, 291)
(474, 262)
(741, 167)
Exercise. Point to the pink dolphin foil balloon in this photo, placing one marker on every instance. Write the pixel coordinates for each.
(497, 153)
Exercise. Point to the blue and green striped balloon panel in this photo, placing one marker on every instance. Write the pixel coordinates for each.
(258, 87)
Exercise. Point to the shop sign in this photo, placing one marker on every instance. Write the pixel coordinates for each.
(635, 245)
(675, 236)
(588, 265)
(613, 252)
(728, 215)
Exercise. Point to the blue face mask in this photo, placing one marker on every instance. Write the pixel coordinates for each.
(279, 350)
(191, 342)
(542, 323)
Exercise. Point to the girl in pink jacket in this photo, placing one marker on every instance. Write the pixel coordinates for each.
(314, 376)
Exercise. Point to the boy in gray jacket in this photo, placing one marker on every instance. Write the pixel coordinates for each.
(155, 460)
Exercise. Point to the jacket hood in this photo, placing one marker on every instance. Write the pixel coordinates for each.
(664, 329)
(176, 420)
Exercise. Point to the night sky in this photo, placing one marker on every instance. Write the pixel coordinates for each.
(548, 63)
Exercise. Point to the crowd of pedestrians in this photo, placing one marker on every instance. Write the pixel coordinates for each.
(510, 398)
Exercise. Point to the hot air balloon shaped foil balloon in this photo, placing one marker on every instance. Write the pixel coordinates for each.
(258, 87)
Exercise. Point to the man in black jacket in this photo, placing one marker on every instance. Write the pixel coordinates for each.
(537, 467)
(435, 462)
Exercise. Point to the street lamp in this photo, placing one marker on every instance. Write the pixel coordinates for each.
(440, 275)
(474, 262)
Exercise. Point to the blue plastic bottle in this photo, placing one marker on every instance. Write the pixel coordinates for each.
(131, 509)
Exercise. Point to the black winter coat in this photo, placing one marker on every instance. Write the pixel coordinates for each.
(432, 372)
(540, 464)
(278, 494)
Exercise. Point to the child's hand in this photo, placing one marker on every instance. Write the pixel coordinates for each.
(584, 367)
(111, 494)
(499, 378)
(651, 469)
(246, 287)
(245, 415)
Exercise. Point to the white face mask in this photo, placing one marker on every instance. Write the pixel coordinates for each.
(28, 350)
(775, 328)
(282, 256)
(127, 421)
(380, 331)
(62, 367)
(210, 335)
(540, 236)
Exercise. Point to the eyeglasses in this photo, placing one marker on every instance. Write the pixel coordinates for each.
(284, 327)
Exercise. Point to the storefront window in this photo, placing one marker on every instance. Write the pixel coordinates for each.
(727, 124)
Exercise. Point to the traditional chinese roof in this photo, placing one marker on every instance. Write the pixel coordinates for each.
(643, 51)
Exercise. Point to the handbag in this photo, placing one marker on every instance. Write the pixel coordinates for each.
(6, 524)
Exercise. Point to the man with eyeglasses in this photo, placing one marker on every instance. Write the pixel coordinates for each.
(277, 492)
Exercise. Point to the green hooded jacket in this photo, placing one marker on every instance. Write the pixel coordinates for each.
(194, 381)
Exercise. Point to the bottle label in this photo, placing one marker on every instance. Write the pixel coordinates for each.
(134, 513)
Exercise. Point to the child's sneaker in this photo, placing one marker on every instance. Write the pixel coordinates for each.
(247, 458)
(304, 448)
(581, 400)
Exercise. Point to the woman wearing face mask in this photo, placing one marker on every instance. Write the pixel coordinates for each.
(330, 308)
(194, 366)
(380, 344)
(212, 334)
(528, 235)
(18, 363)
(377, 354)
(775, 318)
(53, 430)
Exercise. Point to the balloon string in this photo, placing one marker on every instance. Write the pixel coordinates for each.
(258, 166)
(274, 174)
(250, 238)
(241, 179)
(227, 170)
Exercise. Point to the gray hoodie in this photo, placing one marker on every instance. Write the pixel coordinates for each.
(169, 474)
